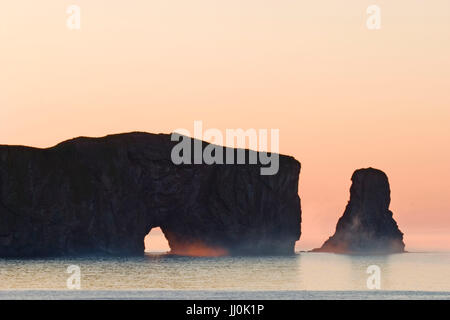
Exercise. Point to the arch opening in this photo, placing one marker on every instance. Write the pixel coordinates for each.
(156, 242)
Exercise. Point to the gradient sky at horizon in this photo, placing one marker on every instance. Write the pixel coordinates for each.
(343, 97)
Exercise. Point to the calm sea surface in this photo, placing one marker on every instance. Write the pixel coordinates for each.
(304, 275)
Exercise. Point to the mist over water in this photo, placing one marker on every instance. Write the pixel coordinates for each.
(303, 271)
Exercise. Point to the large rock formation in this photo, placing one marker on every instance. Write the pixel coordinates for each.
(367, 225)
(103, 195)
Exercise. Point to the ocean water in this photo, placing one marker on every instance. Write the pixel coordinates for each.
(301, 276)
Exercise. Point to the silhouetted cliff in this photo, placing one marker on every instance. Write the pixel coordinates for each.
(367, 225)
(103, 195)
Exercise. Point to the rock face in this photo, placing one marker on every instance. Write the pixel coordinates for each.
(367, 225)
(103, 195)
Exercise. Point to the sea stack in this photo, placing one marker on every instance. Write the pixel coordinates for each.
(367, 225)
(103, 196)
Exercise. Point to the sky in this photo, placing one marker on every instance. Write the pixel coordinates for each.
(343, 96)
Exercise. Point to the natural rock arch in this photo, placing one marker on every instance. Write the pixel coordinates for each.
(103, 195)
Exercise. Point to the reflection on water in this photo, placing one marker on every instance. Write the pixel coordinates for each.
(304, 271)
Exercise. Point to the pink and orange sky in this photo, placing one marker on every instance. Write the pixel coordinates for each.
(343, 97)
